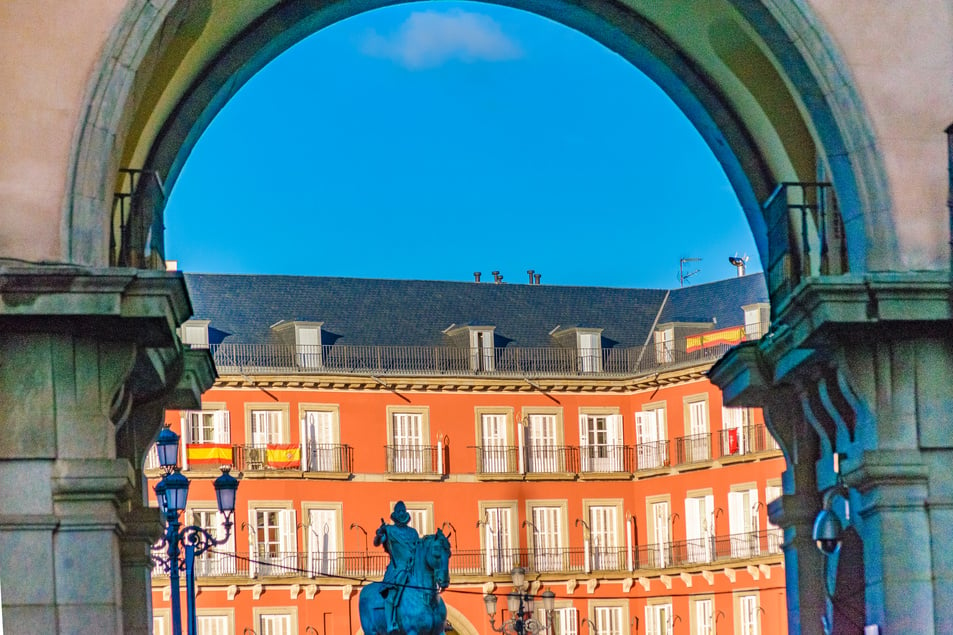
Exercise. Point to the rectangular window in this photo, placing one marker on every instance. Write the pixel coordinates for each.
(600, 443)
(736, 432)
(743, 522)
(542, 450)
(651, 450)
(275, 624)
(218, 561)
(322, 453)
(590, 351)
(421, 518)
(494, 451)
(658, 619)
(498, 540)
(408, 454)
(775, 533)
(665, 346)
(609, 620)
(274, 536)
(323, 540)
(207, 426)
(547, 538)
(604, 539)
(482, 351)
(564, 620)
(160, 624)
(195, 333)
(308, 344)
(266, 427)
(212, 625)
(698, 528)
(703, 621)
(697, 445)
(659, 552)
(748, 618)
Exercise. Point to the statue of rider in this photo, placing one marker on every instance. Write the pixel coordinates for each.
(400, 542)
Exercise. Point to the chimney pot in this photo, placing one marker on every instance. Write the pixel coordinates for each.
(476, 276)
(530, 272)
(538, 276)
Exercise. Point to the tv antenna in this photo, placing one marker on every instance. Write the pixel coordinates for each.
(685, 275)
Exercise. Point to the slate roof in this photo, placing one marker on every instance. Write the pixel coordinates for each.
(357, 311)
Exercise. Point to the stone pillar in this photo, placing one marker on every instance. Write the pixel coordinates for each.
(872, 359)
(79, 348)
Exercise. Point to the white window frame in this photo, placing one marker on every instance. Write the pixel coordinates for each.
(563, 621)
(482, 350)
(610, 618)
(324, 543)
(200, 421)
(499, 537)
(748, 614)
(321, 438)
(195, 333)
(665, 345)
(547, 533)
(409, 458)
(288, 615)
(659, 618)
(651, 437)
(737, 419)
(589, 350)
(659, 514)
(225, 621)
(279, 556)
(743, 522)
(494, 433)
(772, 491)
(606, 534)
(601, 446)
(543, 452)
(221, 560)
(702, 615)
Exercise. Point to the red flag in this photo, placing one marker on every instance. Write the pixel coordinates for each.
(733, 441)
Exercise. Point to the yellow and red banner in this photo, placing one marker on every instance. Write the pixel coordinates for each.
(284, 456)
(708, 339)
(209, 454)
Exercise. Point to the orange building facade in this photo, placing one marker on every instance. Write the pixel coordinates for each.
(610, 472)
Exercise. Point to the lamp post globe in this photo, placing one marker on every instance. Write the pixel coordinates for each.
(226, 487)
(167, 447)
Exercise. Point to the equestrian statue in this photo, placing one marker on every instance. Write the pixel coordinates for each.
(407, 600)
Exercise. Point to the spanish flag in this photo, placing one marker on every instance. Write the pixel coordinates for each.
(713, 338)
(209, 454)
(284, 456)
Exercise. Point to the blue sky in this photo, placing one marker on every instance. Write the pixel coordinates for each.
(432, 140)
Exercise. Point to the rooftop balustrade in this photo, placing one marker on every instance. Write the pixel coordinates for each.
(344, 359)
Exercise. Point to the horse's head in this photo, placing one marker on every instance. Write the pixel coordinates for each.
(437, 557)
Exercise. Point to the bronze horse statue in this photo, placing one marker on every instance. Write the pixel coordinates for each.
(421, 610)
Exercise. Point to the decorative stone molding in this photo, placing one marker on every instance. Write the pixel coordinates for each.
(686, 578)
(765, 570)
(627, 585)
(591, 585)
(666, 580)
(488, 587)
(310, 591)
(256, 591)
(730, 574)
(231, 591)
(709, 577)
(645, 583)
(294, 591)
(753, 571)
(571, 585)
(346, 591)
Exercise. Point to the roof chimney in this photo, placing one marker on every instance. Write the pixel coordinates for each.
(496, 276)
(538, 276)
(739, 264)
(476, 276)
(530, 272)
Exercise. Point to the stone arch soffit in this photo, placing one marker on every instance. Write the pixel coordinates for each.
(458, 620)
(102, 134)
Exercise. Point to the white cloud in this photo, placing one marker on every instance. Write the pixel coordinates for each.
(428, 38)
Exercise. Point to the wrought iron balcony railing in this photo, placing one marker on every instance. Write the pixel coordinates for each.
(706, 550)
(415, 459)
(745, 440)
(455, 361)
(605, 458)
(693, 449)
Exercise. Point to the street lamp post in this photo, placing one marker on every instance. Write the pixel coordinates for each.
(520, 605)
(172, 493)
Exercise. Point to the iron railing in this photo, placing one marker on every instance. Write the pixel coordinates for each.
(745, 440)
(497, 459)
(652, 456)
(253, 359)
(693, 449)
(551, 459)
(483, 562)
(412, 459)
(136, 235)
(327, 457)
(605, 458)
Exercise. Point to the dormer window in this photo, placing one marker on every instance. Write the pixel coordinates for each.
(589, 347)
(195, 333)
(757, 317)
(482, 350)
(305, 337)
(665, 345)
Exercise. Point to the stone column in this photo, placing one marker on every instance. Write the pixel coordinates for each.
(78, 348)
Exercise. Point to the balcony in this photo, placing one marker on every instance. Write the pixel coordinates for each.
(746, 440)
(497, 460)
(605, 459)
(551, 459)
(717, 550)
(251, 359)
(423, 460)
(693, 449)
(652, 456)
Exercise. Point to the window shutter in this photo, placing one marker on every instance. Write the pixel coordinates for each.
(287, 531)
(692, 520)
(583, 430)
(252, 542)
(641, 426)
(614, 431)
(736, 513)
